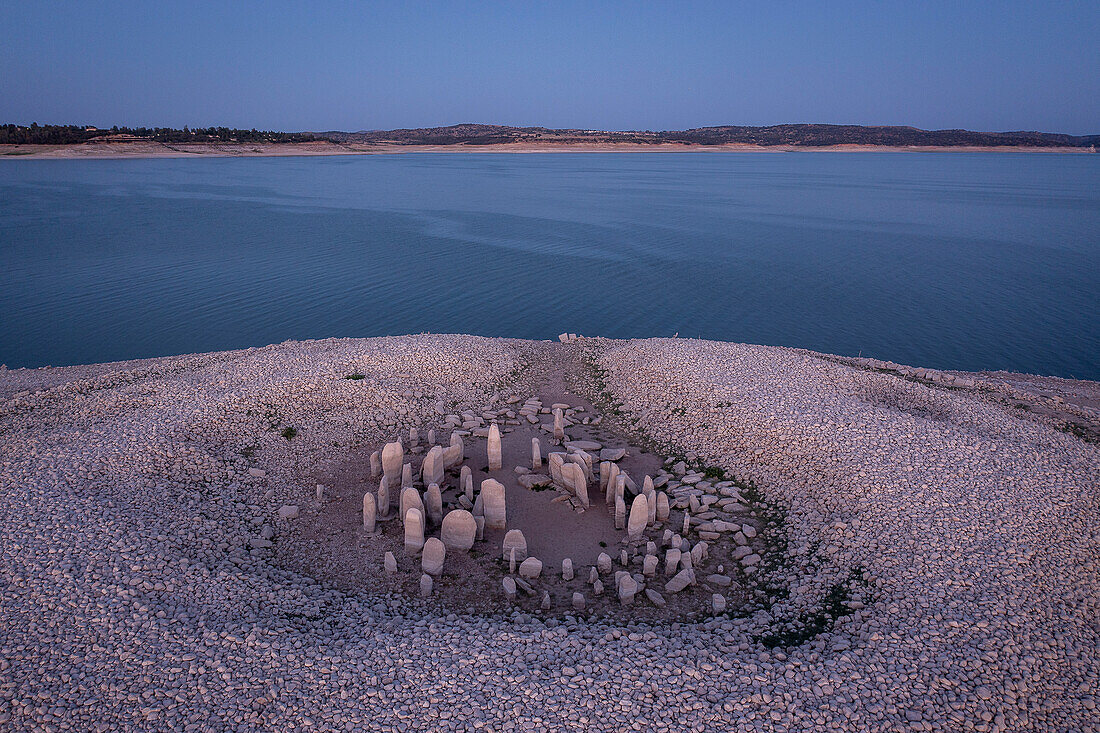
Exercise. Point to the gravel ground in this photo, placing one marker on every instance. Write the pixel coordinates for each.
(933, 565)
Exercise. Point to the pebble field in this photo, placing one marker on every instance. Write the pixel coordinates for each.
(933, 565)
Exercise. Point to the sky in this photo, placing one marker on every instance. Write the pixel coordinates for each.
(1011, 65)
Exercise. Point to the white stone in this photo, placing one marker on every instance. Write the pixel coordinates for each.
(639, 516)
(493, 448)
(414, 531)
(434, 553)
(389, 563)
(626, 588)
(649, 566)
(496, 513)
(466, 480)
(662, 507)
(559, 424)
(393, 454)
(375, 464)
(603, 563)
(536, 455)
(431, 471)
(459, 530)
(410, 498)
(455, 453)
(672, 560)
(567, 569)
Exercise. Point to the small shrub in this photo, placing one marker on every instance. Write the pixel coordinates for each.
(289, 433)
(357, 375)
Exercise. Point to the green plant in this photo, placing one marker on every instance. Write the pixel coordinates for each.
(289, 433)
(356, 375)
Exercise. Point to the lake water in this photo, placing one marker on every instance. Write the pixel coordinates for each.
(960, 261)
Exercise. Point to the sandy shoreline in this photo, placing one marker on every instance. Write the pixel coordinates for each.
(150, 149)
(144, 583)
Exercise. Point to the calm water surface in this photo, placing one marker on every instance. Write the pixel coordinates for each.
(964, 261)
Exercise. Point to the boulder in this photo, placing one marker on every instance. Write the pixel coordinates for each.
(578, 601)
(603, 563)
(626, 588)
(567, 569)
(431, 471)
(536, 455)
(639, 517)
(662, 507)
(393, 454)
(426, 584)
(455, 453)
(410, 498)
(289, 511)
(433, 502)
(509, 584)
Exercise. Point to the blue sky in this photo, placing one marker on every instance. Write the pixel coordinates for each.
(627, 65)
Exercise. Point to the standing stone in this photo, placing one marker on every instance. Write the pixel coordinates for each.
(578, 601)
(480, 527)
(370, 512)
(496, 513)
(466, 478)
(556, 463)
(435, 552)
(320, 492)
(393, 454)
(509, 588)
(545, 605)
(493, 448)
(624, 558)
(375, 464)
(605, 470)
(431, 436)
(687, 522)
(575, 482)
(603, 563)
(649, 566)
(662, 507)
(383, 498)
(593, 575)
(627, 587)
(414, 532)
(410, 499)
(620, 486)
(699, 553)
(455, 453)
(651, 497)
(530, 568)
(426, 585)
(672, 560)
(609, 488)
(514, 541)
(434, 503)
(536, 455)
(559, 424)
(390, 563)
(459, 530)
(414, 437)
(406, 475)
(639, 516)
(620, 513)
(512, 561)
(597, 587)
(567, 569)
(431, 471)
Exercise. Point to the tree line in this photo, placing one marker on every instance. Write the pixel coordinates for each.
(36, 134)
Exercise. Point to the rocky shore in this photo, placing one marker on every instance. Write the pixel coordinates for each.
(929, 545)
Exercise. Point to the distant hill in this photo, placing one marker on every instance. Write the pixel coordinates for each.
(790, 135)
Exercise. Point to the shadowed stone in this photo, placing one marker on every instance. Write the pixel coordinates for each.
(545, 605)
(509, 588)
(466, 479)
(609, 488)
(426, 584)
(370, 512)
(384, 499)
(406, 475)
(627, 587)
(559, 424)
(605, 468)
(655, 598)
(556, 461)
(431, 471)
(414, 531)
(433, 502)
(414, 437)
(578, 601)
(672, 560)
(536, 454)
(431, 436)
(603, 563)
(567, 569)
(493, 448)
(459, 530)
(375, 464)
(649, 566)
(390, 563)
(492, 495)
(435, 552)
(410, 499)
(514, 541)
(620, 513)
